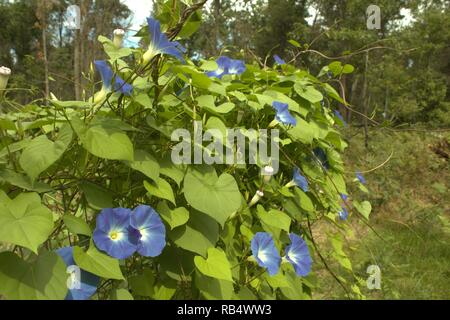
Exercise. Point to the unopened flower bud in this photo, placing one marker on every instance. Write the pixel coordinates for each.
(258, 196)
(267, 173)
(273, 124)
(4, 77)
(118, 38)
(240, 115)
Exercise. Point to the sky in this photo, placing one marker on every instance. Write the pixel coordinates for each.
(141, 10)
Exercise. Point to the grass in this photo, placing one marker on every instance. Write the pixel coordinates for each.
(411, 215)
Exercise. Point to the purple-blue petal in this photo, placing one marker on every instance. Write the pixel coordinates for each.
(343, 214)
(282, 113)
(121, 86)
(340, 117)
(148, 222)
(361, 178)
(161, 43)
(236, 67)
(265, 252)
(322, 156)
(278, 60)
(297, 253)
(107, 76)
(223, 63)
(105, 73)
(227, 66)
(88, 281)
(300, 180)
(154, 28)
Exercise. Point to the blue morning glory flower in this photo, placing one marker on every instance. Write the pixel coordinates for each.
(297, 254)
(322, 156)
(265, 252)
(88, 282)
(152, 231)
(222, 68)
(107, 76)
(114, 234)
(236, 67)
(278, 60)
(160, 44)
(344, 196)
(227, 66)
(283, 115)
(343, 214)
(300, 180)
(340, 117)
(361, 178)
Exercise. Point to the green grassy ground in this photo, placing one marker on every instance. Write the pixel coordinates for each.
(411, 216)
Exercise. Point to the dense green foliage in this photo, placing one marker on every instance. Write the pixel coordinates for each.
(63, 163)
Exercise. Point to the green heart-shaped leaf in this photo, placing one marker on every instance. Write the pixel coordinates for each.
(162, 189)
(97, 263)
(41, 153)
(201, 233)
(143, 285)
(145, 163)
(214, 289)
(105, 140)
(24, 221)
(174, 218)
(77, 225)
(308, 92)
(216, 197)
(43, 279)
(121, 294)
(216, 266)
(365, 208)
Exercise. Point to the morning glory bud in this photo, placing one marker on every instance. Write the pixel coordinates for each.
(240, 115)
(267, 173)
(118, 38)
(258, 196)
(4, 77)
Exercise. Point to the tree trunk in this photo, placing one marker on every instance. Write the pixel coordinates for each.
(46, 73)
(76, 66)
(366, 103)
(217, 6)
(353, 99)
